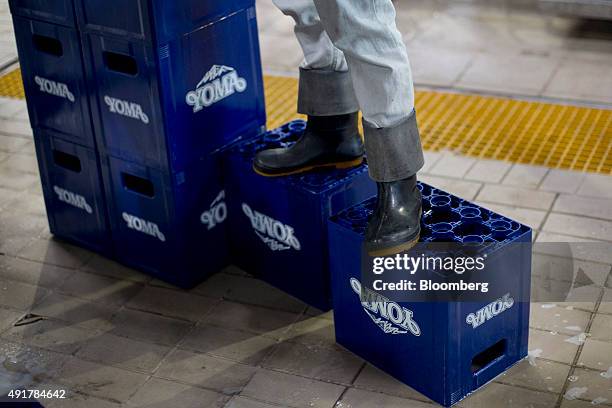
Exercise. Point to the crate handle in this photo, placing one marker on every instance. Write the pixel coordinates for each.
(489, 356)
(48, 45)
(67, 161)
(121, 63)
(138, 185)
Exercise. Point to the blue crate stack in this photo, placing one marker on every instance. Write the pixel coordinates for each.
(440, 354)
(53, 72)
(278, 226)
(132, 104)
(173, 84)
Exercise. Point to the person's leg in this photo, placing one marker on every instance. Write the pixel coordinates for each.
(326, 96)
(365, 31)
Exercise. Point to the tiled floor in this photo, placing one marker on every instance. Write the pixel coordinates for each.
(114, 337)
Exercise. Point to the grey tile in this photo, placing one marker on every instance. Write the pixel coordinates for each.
(122, 352)
(515, 196)
(577, 205)
(553, 346)
(90, 315)
(100, 289)
(158, 393)
(501, 395)
(440, 68)
(20, 162)
(229, 343)
(499, 73)
(104, 266)
(255, 319)
(591, 385)
(565, 403)
(50, 335)
(525, 175)
(289, 390)
(9, 108)
(373, 379)
(312, 331)
(6, 195)
(17, 180)
(206, 371)
(314, 312)
(539, 375)
(556, 319)
(20, 296)
(27, 148)
(596, 185)
(24, 367)
(100, 380)
(580, 79)
(280, 52)
(11, 144)
(431, 158)
(567, 269)
(80, 401)
(242, 402)
(267, 14)
(249, 290)
(581, 248)
(489, 171)
(450, 31)
(601, 327)
(326, 363)
(606, 301)
(451, 165)
(27, 203)
(55, 252)
(356, 398)
(148, 327)
(172, 303)
(596, 354)
(562, 181)
(217, 286)
(8, 317)
(15, 127)
(461, 188)
(280, 25)
(33, 273)
(579, 226)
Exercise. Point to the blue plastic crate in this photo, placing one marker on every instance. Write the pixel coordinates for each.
(153, 20)
(171, 226)
(168, 106)
(53, 11)
(435, 349)
(72, 187)
(54, 79)
(278, 226)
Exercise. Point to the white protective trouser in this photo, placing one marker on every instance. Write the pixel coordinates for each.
(355, 59)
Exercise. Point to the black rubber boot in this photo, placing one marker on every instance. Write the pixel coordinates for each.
(328, 141)
(395, 225)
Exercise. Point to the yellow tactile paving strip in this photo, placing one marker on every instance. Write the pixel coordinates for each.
(556, 136)
(11, 85)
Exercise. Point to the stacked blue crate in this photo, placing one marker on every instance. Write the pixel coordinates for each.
(278, 226)
(72, 187)
(53, 74)
(439, 353)
(173, 84)
(60, 12)
(169, 96)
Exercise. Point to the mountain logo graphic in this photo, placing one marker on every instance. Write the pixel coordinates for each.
(218, 83)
